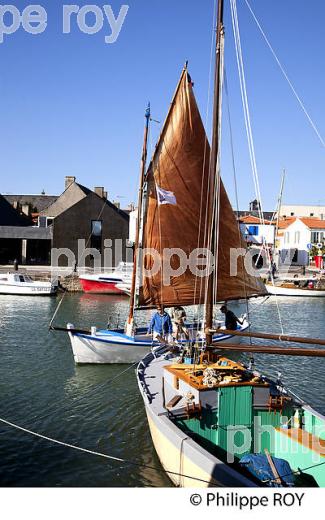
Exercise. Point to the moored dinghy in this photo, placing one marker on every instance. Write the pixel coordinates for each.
(23, 285)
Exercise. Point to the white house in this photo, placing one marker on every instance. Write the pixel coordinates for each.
(296, 236)
(256, 231)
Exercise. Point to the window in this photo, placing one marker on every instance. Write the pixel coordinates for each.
(96, 234)
(297, 237)
(314, 237)
(292, 213)
(311, 214)
(253, 230)
(286, 237)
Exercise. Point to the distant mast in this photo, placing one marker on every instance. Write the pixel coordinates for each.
(140, 199)
(214, 176)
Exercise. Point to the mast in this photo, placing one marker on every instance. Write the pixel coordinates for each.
(279, 206)
(214, 170)
(136, 244)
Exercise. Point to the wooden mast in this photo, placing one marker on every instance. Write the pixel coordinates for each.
(214, 172)
(140, 196)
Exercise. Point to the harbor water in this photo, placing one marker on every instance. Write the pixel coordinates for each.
(99, 408)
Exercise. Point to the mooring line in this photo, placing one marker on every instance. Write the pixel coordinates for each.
(98, 454)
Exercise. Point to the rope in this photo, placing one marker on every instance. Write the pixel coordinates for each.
(243, 90)
(313, 125)
(98, 454)
(236, 194)
(203, 180)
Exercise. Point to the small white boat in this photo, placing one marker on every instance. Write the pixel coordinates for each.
(113, 346)
(21, 284)
(295, 287)
(108, 283)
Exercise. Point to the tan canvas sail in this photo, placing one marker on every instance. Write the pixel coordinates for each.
(176, 216)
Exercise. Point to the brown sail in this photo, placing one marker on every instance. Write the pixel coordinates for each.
(176, 216)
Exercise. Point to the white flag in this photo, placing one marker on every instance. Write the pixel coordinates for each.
(165, 197)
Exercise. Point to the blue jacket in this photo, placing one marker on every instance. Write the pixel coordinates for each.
(162, 324)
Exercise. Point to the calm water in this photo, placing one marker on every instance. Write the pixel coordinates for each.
(42, 390)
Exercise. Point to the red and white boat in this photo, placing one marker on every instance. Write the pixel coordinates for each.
(108, 282)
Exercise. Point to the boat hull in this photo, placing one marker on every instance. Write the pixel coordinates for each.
(189, 464)
(100, 287)
(109, 346)
(104, 349)
(186, 463)
(287, 291)
(28, 289)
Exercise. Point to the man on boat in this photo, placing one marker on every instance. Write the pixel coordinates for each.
(160, 324)
(231, 319)
(178, 316)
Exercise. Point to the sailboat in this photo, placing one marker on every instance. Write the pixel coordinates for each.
(215, 421)
(172, 221)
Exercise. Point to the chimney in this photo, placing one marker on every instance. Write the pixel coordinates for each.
(68, 181)
(25, 209)
(105, 195)
(99, 190)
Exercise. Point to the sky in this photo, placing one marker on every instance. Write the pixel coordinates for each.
(71, 104)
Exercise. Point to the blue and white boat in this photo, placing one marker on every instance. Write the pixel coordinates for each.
(113, 346)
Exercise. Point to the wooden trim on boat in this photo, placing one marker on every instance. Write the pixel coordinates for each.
(305, 438)
(269, 349)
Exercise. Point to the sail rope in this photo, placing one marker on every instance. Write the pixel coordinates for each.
(248, 126)
(236, 195)
(296, 95)
(203, 203)
(99, 454)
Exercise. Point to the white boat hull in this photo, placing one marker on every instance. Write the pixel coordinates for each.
(288, 291)
(108, 346)
(186, 463)
(33, 289)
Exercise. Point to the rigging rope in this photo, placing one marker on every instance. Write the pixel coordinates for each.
(203, 203)
(313, 125)
(236, 194)
(243, 90)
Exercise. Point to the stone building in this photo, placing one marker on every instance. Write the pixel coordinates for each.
(57, 229)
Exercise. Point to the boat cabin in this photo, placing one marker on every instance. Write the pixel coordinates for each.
(238, 415)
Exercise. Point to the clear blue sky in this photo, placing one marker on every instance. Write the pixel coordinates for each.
(73, 105)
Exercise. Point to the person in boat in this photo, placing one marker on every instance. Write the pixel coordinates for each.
(160, 324)
(178, 316)
(231, 319)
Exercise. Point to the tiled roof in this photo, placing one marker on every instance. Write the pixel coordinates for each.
(286, 221)
(313, 222)
(251, 219)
